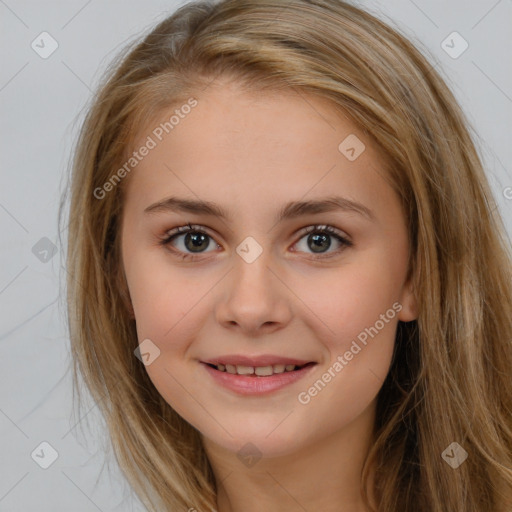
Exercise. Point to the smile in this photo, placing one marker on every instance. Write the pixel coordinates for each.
(258, 371)
(256, 380)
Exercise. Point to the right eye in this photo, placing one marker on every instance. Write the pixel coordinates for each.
(194, 237)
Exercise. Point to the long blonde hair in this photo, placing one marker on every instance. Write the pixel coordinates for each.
(450, 376)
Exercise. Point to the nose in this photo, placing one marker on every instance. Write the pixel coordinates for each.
(254, 297)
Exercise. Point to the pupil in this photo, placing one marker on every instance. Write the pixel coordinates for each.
(318, 239)
(197, 239)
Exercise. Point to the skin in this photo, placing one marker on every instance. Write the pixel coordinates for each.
(251, 153)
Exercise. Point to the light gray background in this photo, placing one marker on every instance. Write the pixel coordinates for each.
(41, 103)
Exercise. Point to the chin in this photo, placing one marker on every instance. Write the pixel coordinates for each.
(265, 439)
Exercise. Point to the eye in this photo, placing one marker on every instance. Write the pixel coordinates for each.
(196, 240)
(317, 238)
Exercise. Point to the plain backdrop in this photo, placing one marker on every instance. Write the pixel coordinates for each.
(41, 104)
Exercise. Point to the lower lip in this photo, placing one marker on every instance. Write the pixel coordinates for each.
(254, 385)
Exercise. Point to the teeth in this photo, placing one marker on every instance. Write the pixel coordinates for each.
(244, 370)
(260, 371)
(264, 370)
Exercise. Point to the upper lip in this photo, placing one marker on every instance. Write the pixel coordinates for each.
(262, 360)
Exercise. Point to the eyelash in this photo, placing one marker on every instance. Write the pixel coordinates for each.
(190, 228)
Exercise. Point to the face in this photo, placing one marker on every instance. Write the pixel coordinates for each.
(283, 280)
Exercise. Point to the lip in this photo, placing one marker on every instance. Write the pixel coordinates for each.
(261, 360)
(254, 385)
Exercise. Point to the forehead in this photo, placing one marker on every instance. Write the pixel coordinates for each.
(254, 147)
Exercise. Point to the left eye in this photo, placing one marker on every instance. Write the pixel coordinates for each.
(318, 238)
(197, 240)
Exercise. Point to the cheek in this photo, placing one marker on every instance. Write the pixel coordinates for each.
(361, 313)
(163, 298)
(349, 301)
(355, 316)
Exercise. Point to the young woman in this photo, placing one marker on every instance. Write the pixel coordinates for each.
(289, 287)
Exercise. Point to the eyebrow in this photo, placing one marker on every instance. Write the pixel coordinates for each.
(291, 210)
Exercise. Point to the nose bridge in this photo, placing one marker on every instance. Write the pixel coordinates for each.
(253, 266)
(255, 296)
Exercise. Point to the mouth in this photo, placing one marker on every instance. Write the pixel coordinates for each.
(258, 371)
(258, 375)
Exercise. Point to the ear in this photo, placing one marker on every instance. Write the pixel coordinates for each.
(409, 302)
